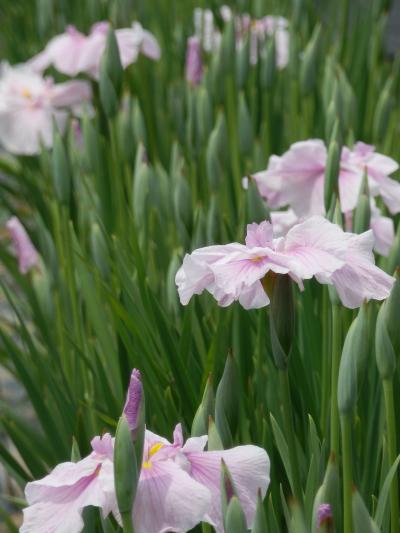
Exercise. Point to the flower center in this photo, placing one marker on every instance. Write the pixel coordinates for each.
(152, 451)
(26, 93)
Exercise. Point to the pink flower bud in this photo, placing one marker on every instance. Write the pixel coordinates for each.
(26, 253)
(194, 63)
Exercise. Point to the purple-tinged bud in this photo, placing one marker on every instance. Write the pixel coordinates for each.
(26, 253)
(134, 400)
(194, 63)
(324, 515)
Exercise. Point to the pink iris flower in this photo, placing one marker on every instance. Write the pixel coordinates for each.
(179, 484)
(296, 179)
(26, 253)
(194, 63)
(258, 31)
(382, 227)
(73, 52)
(248, 465)
(312, 248)
(56, 502)
(30, 103)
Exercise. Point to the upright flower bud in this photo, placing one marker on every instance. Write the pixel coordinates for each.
(27, 254)
(257, 209)
(204, 113)
(108, 94)
(213, 161)
(126, 472)
(392, 306)
(134, 413)
(99, 249)
(393, 260)
(308, 67)
(194, 62)
(268, 64)
(361, 518)
(243, 63)
(214, 442)
(331, 117)
(382, 111)
(228, 48)
(141, 187)
(235, 520)
(213, 226)
(228, 490)
(183, 203)
(245, 126)
(281, 317)
(111, 61)
(327, 495)
(354, 355)
(61, 170)
(226, 402)
(362, 216)
(332, 168)
(385, 354)
(260, 520)
(42, 285)
(206, 408)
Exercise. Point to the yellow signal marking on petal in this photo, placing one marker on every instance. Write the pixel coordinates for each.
(27, 93)
(256, 259)
(147, 464)
(155, 448)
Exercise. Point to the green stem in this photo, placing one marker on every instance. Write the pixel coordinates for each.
(345, 422)
(326, 359)
(392, 449)
(336, 349)
(290, 434)
(127, 522)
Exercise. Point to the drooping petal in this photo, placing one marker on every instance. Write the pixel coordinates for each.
(383, 229)
(70, 93)
(254, 297)
(195, 274)
(315, 246)
(56, 501)
(149, 45)
(389, 190)
(63, 52)
(360, 279)
(26, 252)
(249, 467)
(168, 499)
(349, 189)
(22, 130)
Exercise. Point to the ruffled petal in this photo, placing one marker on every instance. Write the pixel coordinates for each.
(360, 279)
(383, 229)
(70, 93)
(23, 129)
(315, 246)
(56, 501)
(168, 499)
(249, 467)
